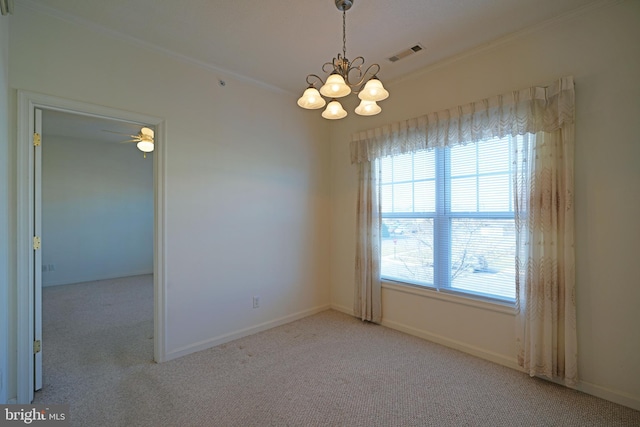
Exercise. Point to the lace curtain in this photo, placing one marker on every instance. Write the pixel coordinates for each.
(528, 110)
(367, 301)
(545, 262)
(543, 182)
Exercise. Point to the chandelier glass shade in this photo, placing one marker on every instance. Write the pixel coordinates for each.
(335, 87)
(373, 91)
(334, 111)
(368, 108)
(345, 77)
(311, 99)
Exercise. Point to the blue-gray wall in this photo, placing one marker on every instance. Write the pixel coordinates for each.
(97, 210)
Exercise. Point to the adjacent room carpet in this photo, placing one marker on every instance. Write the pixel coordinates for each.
(329, 369)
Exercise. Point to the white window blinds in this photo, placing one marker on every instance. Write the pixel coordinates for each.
(448, 218)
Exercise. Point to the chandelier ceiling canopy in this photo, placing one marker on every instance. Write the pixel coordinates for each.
(345, 77)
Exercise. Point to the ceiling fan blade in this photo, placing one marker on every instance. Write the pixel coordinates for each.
(118, 133)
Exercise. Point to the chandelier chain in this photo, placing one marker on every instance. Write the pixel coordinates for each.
(344, 33)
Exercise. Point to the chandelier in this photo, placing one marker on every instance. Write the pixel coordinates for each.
(345, 77)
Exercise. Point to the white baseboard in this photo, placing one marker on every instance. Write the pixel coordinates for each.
(614, 396)
(458, 345)
(343, 309)
(439, 339)
(212, 342)
(93, 278)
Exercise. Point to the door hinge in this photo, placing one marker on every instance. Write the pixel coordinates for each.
(36, 139)
(36, 346)
(36, 243)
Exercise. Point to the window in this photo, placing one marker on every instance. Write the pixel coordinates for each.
(448, 218)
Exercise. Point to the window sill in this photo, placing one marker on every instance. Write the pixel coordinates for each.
(431, 293)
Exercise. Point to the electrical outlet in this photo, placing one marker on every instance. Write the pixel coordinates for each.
(256, 301)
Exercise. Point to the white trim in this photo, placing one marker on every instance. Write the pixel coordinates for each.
(439, 339)
(343, 309)
(24, 229)
(453, 298)
(493, 44)
(458, 345)
(27, 102)
(84, 279)
(97, 28)
(615, 396)
(159, 253)
(212, 342)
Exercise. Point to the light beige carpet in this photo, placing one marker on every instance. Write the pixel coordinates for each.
(325, 370)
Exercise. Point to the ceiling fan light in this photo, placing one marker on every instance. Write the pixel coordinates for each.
(145, 146)
(368, 108)
(334, 111)
(311, 99)
(373, 91)
(335, 87)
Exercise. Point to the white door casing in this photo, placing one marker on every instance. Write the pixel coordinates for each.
(28, 266)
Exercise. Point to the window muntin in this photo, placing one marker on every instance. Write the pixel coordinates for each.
(448, 220)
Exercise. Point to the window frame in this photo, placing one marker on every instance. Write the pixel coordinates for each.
(442, 221)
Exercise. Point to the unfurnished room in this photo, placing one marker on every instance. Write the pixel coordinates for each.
(319, 213)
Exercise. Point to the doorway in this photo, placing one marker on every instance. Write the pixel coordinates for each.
(29, 271)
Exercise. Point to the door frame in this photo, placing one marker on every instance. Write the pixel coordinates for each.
(25, 296)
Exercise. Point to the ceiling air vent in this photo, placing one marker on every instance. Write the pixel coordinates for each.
(400, 55)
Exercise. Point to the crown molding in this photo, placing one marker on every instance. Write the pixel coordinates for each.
(97, 28)
(566, 17)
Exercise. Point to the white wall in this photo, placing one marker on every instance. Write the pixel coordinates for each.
(97, 210)
(247, 183)
(248, 196)
(600, 48)
(4, 207)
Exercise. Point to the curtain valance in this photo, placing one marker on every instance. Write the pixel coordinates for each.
(531, 110)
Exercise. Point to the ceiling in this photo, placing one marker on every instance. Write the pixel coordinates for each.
(278, 42)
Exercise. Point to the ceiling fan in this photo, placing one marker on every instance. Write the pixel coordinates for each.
(144, 139)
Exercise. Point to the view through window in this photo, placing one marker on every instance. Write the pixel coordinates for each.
(448, 218)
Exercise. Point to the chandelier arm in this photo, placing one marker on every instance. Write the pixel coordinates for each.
(357, 63)
(364, 77)
(330, 67)
(352, 67)
(310, 81)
